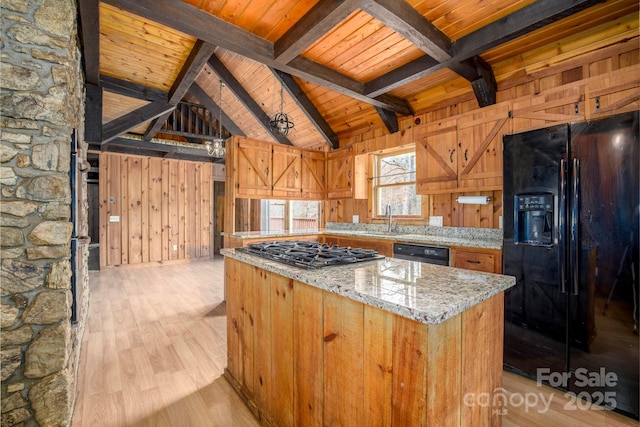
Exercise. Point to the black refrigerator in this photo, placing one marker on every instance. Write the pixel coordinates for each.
(571, 213)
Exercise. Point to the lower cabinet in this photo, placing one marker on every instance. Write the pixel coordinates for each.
(302, 356)
(487, 260)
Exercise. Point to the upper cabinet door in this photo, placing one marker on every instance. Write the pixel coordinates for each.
(313, 173)
(340, 173)
(287, 163)
(436, 157)
(252, 168)
(480, 147)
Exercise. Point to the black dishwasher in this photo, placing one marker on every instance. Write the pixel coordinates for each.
(424, 253)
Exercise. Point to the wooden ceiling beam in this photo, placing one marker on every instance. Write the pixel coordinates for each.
(90, 36)
(307, 107)
(132, 90)
(320, 19)
(410, 24)
(196, 61)
(508, 28)
(536, 15)
(121, 125)
(195, 22)
(89, 29)
(243, 96)
(389, 119)
(150, 148)
(204, 99)
(346, 85)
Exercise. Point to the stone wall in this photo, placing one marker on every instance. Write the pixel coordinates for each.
(41, 99)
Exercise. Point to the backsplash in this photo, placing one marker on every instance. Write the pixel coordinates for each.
(492, 234)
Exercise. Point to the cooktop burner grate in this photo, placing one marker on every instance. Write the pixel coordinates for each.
(309, 254)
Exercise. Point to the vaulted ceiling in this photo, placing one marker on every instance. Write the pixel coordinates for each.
(345, 67)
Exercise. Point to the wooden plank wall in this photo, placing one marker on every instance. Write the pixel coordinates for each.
(164, 206)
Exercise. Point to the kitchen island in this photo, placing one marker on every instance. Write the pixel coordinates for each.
(384, 342)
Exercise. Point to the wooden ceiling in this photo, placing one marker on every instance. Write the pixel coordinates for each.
(347, 67)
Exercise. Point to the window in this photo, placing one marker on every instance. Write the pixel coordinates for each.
(395, 184)
(290, 215)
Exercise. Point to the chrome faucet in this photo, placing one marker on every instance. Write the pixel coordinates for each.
(388, 214)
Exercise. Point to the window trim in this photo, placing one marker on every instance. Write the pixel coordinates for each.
(375, 185)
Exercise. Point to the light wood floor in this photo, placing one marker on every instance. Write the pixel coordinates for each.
(155, 348)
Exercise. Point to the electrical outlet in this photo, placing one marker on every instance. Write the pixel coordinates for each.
(175, 247)
(436, 221)
(356, 219)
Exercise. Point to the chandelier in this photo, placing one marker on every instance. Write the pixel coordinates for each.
(280, 121)
(215, 147)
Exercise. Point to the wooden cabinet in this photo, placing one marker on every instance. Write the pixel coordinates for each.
(383, 247)
(462, 153)
(313, 175)
(265, 170)
(614, 93)
(487, 260)
(287, 172)
(564, 104)
(252, 168)
(303, 356)
(340, 173)
(480, 147)
(437, 157)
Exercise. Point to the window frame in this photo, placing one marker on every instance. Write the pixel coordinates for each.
(375, 185)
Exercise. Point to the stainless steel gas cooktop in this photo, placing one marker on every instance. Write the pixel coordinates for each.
(309, 254)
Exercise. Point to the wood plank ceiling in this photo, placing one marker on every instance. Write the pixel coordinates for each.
(347, 67)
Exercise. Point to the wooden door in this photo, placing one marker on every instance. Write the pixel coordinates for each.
(436, 157)
(252, 168)
(287, 179)
(480, 147)
(313, 173)
(340, 173)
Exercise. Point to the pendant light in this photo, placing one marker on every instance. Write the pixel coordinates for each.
(281, 121)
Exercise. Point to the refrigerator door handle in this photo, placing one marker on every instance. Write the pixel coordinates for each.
(575, 206)
(563, 226)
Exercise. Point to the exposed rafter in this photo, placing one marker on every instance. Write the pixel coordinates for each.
(132, 90)
(243, 96)
(510, 27)
(122, 125)
(307, 107)
(195, 63)
(195, 22)
(205, 100)
(389, 119)
(90, 37)
(322, 17)
(140, 147)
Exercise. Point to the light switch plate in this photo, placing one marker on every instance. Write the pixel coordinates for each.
(436, 221)
(114, 218)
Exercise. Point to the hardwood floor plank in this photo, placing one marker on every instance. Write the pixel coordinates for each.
(155, 349)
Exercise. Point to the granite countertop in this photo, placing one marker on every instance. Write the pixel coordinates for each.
(423, 292)
(467, 238)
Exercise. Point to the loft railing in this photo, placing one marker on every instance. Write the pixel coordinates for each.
(192, 120)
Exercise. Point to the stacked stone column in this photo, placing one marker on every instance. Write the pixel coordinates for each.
(41, 100)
